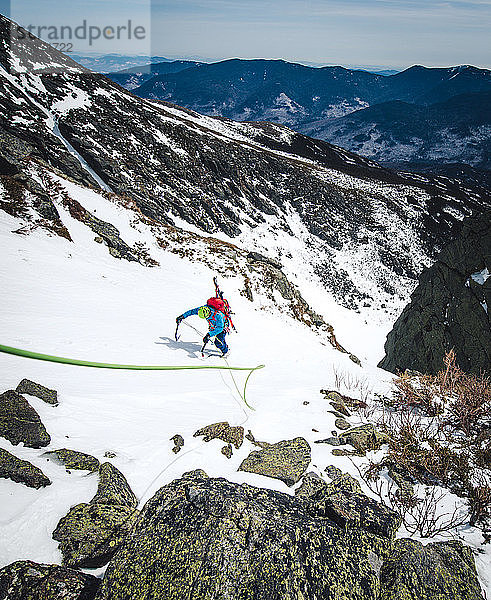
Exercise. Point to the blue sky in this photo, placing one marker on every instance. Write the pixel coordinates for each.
(387, 33)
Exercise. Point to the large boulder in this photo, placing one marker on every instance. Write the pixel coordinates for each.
(72, 459)
(26, 386)
(200, 538)
(449, 308)
(21, 471)
(19, 422)
(90, 534)
(438, 571)
(113, 488)
(343, 502)
(287, 460)
(27, 580)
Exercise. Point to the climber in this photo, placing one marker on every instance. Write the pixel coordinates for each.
(215, 312)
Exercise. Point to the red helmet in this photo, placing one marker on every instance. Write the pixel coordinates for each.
(216, 303)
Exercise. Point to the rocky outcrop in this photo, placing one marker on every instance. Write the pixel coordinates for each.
(287, 460)
(26, 386)
(438, 570)
(210, 538)
(449, 309)
(113, 489)
(21, 471)
(19, 422)
(23, 197)
(75, 460)
(222, 431)
(90, 534)
(27, 580)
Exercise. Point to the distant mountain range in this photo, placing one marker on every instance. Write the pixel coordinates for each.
(106, 63)
(420, 115)
(134, 77)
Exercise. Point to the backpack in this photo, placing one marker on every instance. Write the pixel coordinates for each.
(222, 306)
(217, 303)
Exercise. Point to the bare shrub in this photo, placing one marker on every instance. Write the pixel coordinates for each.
(438, 429)
(426, 517)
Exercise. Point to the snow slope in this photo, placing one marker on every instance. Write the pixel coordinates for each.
(74, 299)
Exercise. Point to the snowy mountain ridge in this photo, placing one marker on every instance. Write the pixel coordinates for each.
(364, 232)
(420, 116)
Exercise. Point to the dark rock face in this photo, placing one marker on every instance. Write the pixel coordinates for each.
(24, 197)
(438, 570)
(90, 534)
(209, 538)
(449, 308)
(113, 488)
(287, 460)
(75, 460)
(27, 580)
(19, 422)
(21, 471)
(35, 389)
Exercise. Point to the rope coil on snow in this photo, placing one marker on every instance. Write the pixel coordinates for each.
(100, 365)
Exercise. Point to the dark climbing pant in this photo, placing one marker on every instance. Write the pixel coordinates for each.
(220, 342)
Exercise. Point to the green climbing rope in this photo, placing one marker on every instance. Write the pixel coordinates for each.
(99, 365)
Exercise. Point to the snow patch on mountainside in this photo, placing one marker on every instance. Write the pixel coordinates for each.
(344, 107)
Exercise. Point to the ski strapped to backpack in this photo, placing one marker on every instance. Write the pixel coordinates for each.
(226, 310)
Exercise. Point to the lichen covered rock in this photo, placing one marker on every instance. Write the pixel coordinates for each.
(90, 534)
(438, 571)
(73, 459)
(27, 580)
(333, 441)
(222, 431)
(26, 386)
(287, 460)
(209, 538)
(21, 471)
(343, 502)
(113, 488)
(178, 443)
(342, 423)
(19, 422)
(227, 450)
(364, 438)
(340, 407)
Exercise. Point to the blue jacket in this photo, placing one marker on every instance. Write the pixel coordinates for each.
(217, 321)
